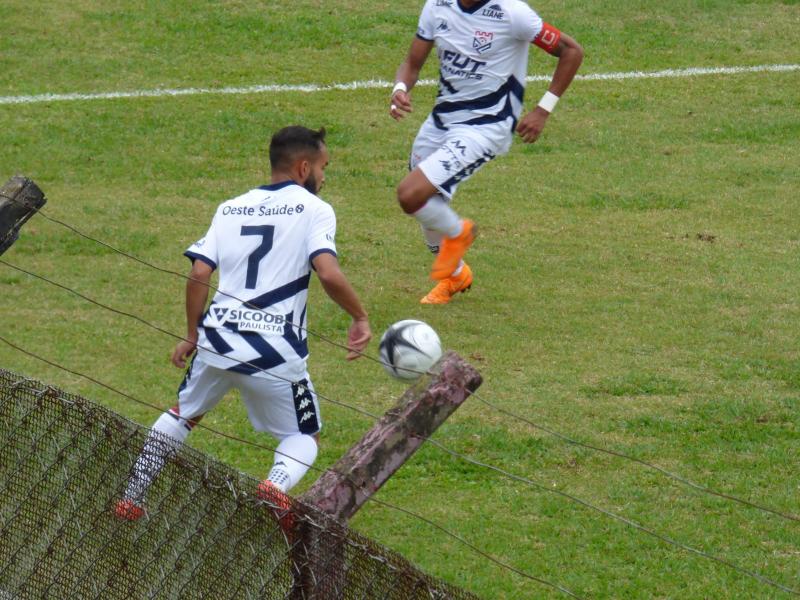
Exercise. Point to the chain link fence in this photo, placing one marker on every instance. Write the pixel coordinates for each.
(65, 461)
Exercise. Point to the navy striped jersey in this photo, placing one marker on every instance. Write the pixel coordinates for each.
(262, 243)
(483, 59)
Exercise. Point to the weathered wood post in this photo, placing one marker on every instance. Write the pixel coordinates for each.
(20, 198)
(344, 488)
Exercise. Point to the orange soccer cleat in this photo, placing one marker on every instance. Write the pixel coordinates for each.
(452, 250)
(279, 502)
(127, 510)
(444, 291)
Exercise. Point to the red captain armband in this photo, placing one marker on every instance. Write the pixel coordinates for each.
(548, 38)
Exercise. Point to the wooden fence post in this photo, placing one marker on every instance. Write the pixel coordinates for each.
(344, 488)
(20, 198)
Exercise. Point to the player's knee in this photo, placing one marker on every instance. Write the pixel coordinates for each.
(408, 197)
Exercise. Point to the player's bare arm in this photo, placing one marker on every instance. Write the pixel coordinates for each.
(407, 75)
(340, 291)
(196, 297)
(570, 57)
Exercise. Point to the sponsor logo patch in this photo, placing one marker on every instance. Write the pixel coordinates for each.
(250, 320)
(262, 211)
(493, 11)
(457, 65)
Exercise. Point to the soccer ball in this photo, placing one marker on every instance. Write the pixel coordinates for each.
(409, 348)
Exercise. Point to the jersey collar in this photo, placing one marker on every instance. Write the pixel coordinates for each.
(274, 187)
(473, 8)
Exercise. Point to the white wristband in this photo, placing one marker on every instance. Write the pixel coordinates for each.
(399, 87)
(548, 101)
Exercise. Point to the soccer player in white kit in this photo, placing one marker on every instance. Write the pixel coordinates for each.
(252, 337)
(482, 46)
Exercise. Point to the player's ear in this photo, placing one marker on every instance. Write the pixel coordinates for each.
(303, 168)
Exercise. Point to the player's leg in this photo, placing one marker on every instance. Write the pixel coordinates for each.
(290, 412)
(201, 389)
(456, 156)
(418, 195)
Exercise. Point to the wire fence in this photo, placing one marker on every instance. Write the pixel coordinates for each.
(65, 461)
(522, 479)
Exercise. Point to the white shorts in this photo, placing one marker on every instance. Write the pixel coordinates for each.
(449, 157)
(275, 406)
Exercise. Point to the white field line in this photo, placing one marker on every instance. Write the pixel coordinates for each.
(377, 84)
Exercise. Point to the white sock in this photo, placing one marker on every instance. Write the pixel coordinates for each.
(433, 239)
(437, 215)
(293, 456)
(168, 434)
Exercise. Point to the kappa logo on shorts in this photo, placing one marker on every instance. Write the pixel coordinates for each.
(305, 410)
(455, 163)
(461, 147)
(482, 41)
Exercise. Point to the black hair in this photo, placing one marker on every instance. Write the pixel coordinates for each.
(290, 142)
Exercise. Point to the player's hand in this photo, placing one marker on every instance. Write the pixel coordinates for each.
(531, 125)
(182, 352)
(358, 337)
(400, 105)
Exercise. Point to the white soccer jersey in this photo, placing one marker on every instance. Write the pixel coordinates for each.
(483, 59)
(262, 243)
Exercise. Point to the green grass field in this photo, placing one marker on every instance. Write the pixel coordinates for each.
(636, 277)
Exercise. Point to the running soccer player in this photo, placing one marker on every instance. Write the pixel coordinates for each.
(482, 46)
(252, 337)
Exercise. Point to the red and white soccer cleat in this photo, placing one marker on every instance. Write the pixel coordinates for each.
(127, 510)
(280, 503)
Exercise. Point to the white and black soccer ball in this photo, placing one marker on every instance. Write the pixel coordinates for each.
(409, 348)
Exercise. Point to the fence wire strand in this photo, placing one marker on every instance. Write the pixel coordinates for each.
(563, 437)
(458, 455)
(66, 461)
(314, 468)
(514, 477)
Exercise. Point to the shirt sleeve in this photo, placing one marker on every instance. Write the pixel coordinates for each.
(426, 25)
(322, 237)
(525, 23)
(205, 249)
